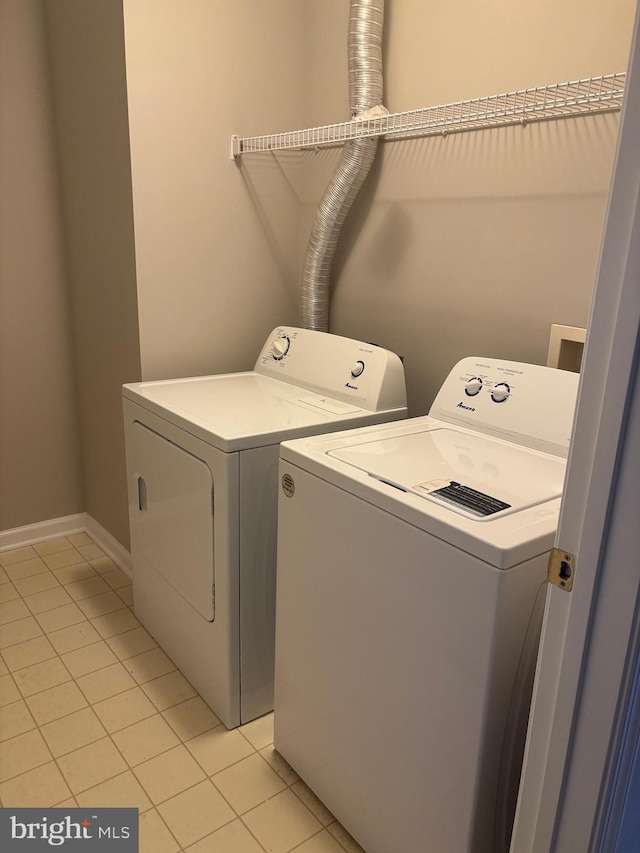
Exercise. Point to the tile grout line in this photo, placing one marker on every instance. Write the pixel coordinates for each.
(158, 712)
(78, 648)
(58, 655)
(38, 729)
(253, 835)
(166, 826)
(315, 835)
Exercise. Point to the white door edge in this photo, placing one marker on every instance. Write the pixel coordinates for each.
(590, 485)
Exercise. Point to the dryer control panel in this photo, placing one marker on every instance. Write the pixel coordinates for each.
(357, 373)
(525, 403)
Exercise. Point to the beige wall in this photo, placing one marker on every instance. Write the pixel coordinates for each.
(88, 75)
(216, 243)
(39, 458)
(474, 243)
(445, 51)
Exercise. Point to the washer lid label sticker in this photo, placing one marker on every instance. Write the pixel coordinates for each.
(288, 485)
(475, 502)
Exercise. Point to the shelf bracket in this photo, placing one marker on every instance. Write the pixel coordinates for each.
(235, 149)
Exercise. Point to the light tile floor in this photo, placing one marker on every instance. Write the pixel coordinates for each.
(93, 713)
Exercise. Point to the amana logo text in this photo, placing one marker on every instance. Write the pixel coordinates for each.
(467, 408)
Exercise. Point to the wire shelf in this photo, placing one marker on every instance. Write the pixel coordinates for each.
(588, 96)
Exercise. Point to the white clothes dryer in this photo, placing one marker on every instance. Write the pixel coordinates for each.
(412, 561)
(202, 459)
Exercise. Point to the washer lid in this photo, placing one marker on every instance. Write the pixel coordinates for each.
(478, 477)
(389, 464)
(236, 411)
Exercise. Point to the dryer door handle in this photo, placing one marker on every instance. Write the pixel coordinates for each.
(142, 492)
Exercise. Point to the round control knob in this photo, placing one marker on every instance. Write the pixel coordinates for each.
(500, 392)
(473, 386)
(280, 347)
(357, 369)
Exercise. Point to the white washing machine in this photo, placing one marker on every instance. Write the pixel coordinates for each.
(412, 562)
(202, 459)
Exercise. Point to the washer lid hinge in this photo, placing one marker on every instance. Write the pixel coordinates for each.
(562, 568)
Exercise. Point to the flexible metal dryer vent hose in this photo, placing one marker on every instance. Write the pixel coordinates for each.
(366, 18)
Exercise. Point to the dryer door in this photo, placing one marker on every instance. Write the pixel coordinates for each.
(172, 525)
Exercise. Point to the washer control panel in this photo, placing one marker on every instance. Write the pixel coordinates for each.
(526, 403)
(358, 373)
(473, 386)
(501, 392)
(281, 347)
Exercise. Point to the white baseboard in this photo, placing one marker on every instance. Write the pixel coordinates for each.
(31, 534)
(110, 545)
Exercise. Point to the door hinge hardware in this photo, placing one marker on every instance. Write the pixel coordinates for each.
(562, 568)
